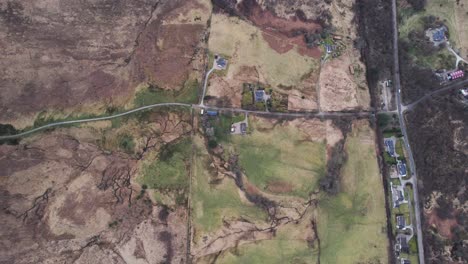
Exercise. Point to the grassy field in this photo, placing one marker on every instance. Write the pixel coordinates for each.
(352, 224)
(290, 245)
(232, 36)
(290, 161)
(170, 170)
(214, 202)
(153, 95)
(452, 15)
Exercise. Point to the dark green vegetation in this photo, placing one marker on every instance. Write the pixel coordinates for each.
(126, 143)
(441, 162)
(170, 170)
(278, 102)
(8, 130)
(154, 95)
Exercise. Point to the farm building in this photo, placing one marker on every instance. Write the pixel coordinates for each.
(456, 75)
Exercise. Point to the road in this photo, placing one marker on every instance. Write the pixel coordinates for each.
(396, 81)
(459, 58)
(438, 91)
(205, 83)
(61, 123)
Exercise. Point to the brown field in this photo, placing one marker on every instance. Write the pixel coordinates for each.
(339, 89)
(81, 56)
(252, 59)
(72, 194)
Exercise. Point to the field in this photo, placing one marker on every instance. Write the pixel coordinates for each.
(249, 51)
(212, 203)
(353, 222)
(452, 15)
(270, 166)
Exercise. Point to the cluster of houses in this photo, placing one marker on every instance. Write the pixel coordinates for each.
(398, 198)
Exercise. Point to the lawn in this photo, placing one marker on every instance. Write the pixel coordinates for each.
(169, 171)
(445, 10)
(291, 160)
(353, 222)
(214, 202)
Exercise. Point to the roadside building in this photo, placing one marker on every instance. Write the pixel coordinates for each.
(455, 75)
(243, 127)
(390, 146)
(405, 261)
(401, 166)
(398, 195)
(464, 93)
(402, 244)
(400, 221)
(212, 113)
(328, 48)
(259, 95)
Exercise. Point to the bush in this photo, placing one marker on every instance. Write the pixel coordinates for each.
(212, 143)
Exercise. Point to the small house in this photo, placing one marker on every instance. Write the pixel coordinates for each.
(212, 113)
(402, 243)
(259, 95)
(401, 166)
(243, 127)
(221, 63)
(390, 147)
(405, 261)
(400, 221)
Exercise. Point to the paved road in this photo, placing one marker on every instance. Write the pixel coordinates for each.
(396, 69)
(91, 119)
(459, 58)
(205, 83)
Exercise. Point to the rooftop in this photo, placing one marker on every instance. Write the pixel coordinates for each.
(259, 95)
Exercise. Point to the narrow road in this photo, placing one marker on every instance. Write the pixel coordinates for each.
(412, 164)
(205, 83)
(91, 119)
(438, 91)
(459, 58)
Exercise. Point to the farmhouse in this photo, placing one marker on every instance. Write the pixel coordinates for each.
(398, 195)
(259, 95)
(402, 244)
(390, 146)
(221, 62)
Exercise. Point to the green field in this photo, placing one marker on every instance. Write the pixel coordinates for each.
(411, 21)
(214, 202)
(154, 95)
(352, 224)
(170, 170)
(289, 161)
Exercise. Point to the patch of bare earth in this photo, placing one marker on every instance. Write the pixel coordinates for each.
(340, 89)
(281, 33)
(64, 200)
